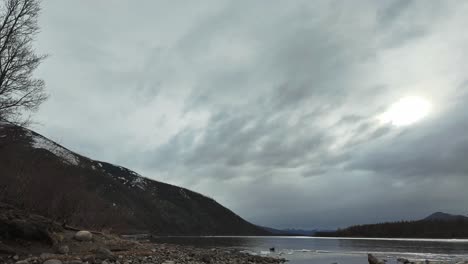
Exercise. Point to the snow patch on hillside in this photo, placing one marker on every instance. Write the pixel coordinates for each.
(184, 194)
(139, 182)
(40, 142)
(127, 177)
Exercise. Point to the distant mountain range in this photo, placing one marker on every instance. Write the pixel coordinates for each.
(439, 216)
(436, 225)
(289, 232)
(294, 232)
(44, 177)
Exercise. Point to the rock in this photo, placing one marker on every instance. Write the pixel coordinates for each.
(74, 262)
(52, 261)
(104, 253)
(373, 260)
(206, 259)
(46, 256)
(15, 257)
(63, 249)
(22, 225)
(168, 262)
(89, 259)
(22, 262)
(83, 236)
(32, 259)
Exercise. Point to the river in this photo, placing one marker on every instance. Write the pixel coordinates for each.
(301, 250)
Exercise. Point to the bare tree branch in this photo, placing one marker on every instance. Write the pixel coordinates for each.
(20, 91)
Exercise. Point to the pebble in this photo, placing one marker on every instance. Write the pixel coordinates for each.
(63, 250)
(74, 262)
(46, 256)
(52, 261)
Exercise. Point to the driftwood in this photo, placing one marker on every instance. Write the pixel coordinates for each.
(4, 249)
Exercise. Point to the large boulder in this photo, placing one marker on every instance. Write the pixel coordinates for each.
(16, 224)
(84, 236)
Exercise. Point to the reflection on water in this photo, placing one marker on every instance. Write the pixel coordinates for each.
(330, 250)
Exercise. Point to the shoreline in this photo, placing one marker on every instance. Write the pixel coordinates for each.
(110, 249)
(454, 240)
(143, 252)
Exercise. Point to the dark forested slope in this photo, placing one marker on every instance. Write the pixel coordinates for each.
(41, 176)
(437, 225)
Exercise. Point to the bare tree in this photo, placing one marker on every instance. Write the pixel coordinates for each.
(20, 91)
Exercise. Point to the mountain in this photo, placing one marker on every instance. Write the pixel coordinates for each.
(46, 178)
(437, 225)
(300, 232)
(439, 216)
(289, 231)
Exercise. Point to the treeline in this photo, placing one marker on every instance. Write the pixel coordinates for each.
(406, 229)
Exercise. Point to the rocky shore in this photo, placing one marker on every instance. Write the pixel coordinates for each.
(85, 247)
(375, 260)
(144, 253)
(32, 239)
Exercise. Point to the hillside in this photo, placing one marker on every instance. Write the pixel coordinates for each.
(437, 225)
(39, 175)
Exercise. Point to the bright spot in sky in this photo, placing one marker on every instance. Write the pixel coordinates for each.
(406, 111)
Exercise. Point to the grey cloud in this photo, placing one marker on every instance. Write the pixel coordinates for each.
(391, 11)
(232, 98)
(432, 150)
(234, 140)
(404, 21)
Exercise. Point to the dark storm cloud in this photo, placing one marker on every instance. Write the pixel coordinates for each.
(270, 108)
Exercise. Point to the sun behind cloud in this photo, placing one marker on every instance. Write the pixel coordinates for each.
(406, 111)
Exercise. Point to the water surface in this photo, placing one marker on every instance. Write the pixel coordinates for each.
(301, 250)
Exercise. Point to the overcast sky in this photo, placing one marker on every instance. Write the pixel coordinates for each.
(273, 108)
